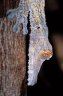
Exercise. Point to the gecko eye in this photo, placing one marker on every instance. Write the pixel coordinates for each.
(38, 27)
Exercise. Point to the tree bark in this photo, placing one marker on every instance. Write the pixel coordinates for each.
(12, 54)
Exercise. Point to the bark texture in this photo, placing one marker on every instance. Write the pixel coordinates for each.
(12, 53)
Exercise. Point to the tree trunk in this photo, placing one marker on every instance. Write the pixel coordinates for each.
(12, 54)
